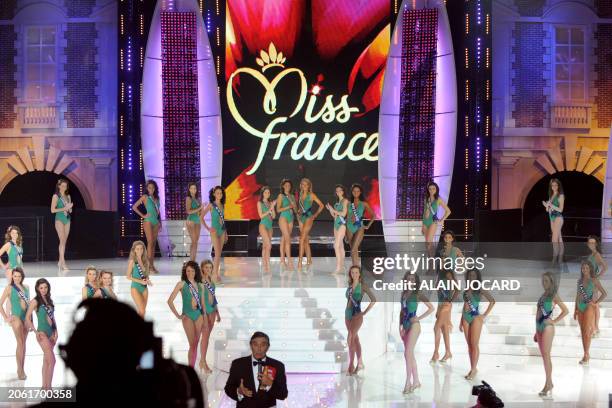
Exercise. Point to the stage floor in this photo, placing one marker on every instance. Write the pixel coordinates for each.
(516, 378)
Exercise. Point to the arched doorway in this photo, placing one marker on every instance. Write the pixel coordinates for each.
(35, 189)
(582, 212)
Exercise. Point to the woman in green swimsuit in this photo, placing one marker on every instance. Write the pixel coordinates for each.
(353, 316)
(18, 294)
(106, 285)
(211, 310)
(91, 288)
(355, 226)
(431, 221)
(190, 287)
(46, 332)
(285, 207)
(545, 326)
(588, 287)
(13, 242)
(339, 212)
(471, 319)
(265, 209)
(554, 207)
(410, 328)
(217, 229)
(151, 219)
(193, 207)
(138, 273)
(600, 265)
(306, 217)
(61, 206)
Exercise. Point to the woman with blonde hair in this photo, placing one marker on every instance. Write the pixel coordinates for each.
(545, 326)
(61, 206)
(91, 288)
(585, 304)
(211, 311)
(13, 247)
(105, 284)
(306, 218)
(138, 273)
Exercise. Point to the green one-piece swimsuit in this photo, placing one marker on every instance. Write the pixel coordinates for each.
(339, 220)
(351, 224)
(187, 296)
(64, 218)
(429, 220)
(136, 275)
(288, 213)
(409, 308)
(43, 323)
(545, 309)
(16, 309)
(210, 298)
(474, 299)
(584, 298)
(353, 306)
(267, 220)
(152, 211)
(306, 208)
(91, 291)
(594, 263)
(552, 215)
(195, 218)
(216, 222)
(15, 254)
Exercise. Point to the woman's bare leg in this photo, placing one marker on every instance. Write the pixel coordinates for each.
(356, 240)
(48, 359)
(21, 334)
(62, 235)
(139, 300)
(190, 332)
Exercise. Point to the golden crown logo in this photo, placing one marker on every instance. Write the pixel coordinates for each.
(270, 59)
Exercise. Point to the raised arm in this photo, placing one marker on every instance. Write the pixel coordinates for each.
(491, 301)
(175, 291)
(129, 276)
(137, 204)
(262, 214)
(447, 211)
(564, 312)
(188, 209)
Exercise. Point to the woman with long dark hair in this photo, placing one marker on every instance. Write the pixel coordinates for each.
(585, 304)
(471, 319)
(61, 206)
(339, 212)
(306, 218)
(355, 226)
(431, 221)
(265, 209)
(600, 266)
(46, 330)
(152, 219)
(410, 328)
(545, 326)
(554, 207)
(138, 273)
(190, 287)
(18, 294)
(285, 207)
(211, 311)
(193, 207)
(217, 229)
(353, 316)
(13, 247)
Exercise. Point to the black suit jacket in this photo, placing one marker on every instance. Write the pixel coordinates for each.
(242, 368)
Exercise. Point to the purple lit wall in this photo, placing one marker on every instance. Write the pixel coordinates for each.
(416, 142)
(180, 108)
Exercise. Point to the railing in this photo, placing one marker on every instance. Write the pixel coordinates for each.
(32, 232)
(39, 116)
(570, 116)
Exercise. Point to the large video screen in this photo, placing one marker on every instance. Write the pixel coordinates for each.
(301, 97)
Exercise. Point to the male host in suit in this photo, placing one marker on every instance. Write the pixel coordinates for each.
(257, 381)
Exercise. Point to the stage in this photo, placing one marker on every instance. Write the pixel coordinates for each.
(303, 314)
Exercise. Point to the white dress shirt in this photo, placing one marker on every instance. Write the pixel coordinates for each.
(255, 370)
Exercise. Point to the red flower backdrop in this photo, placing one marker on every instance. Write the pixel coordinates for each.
(337, 49)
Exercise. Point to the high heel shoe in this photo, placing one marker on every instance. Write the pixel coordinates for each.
(546, 393)
(446, 359)
(434, 359)
(359, 368)
(415, 387)
(407, 389)
(584, 362)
